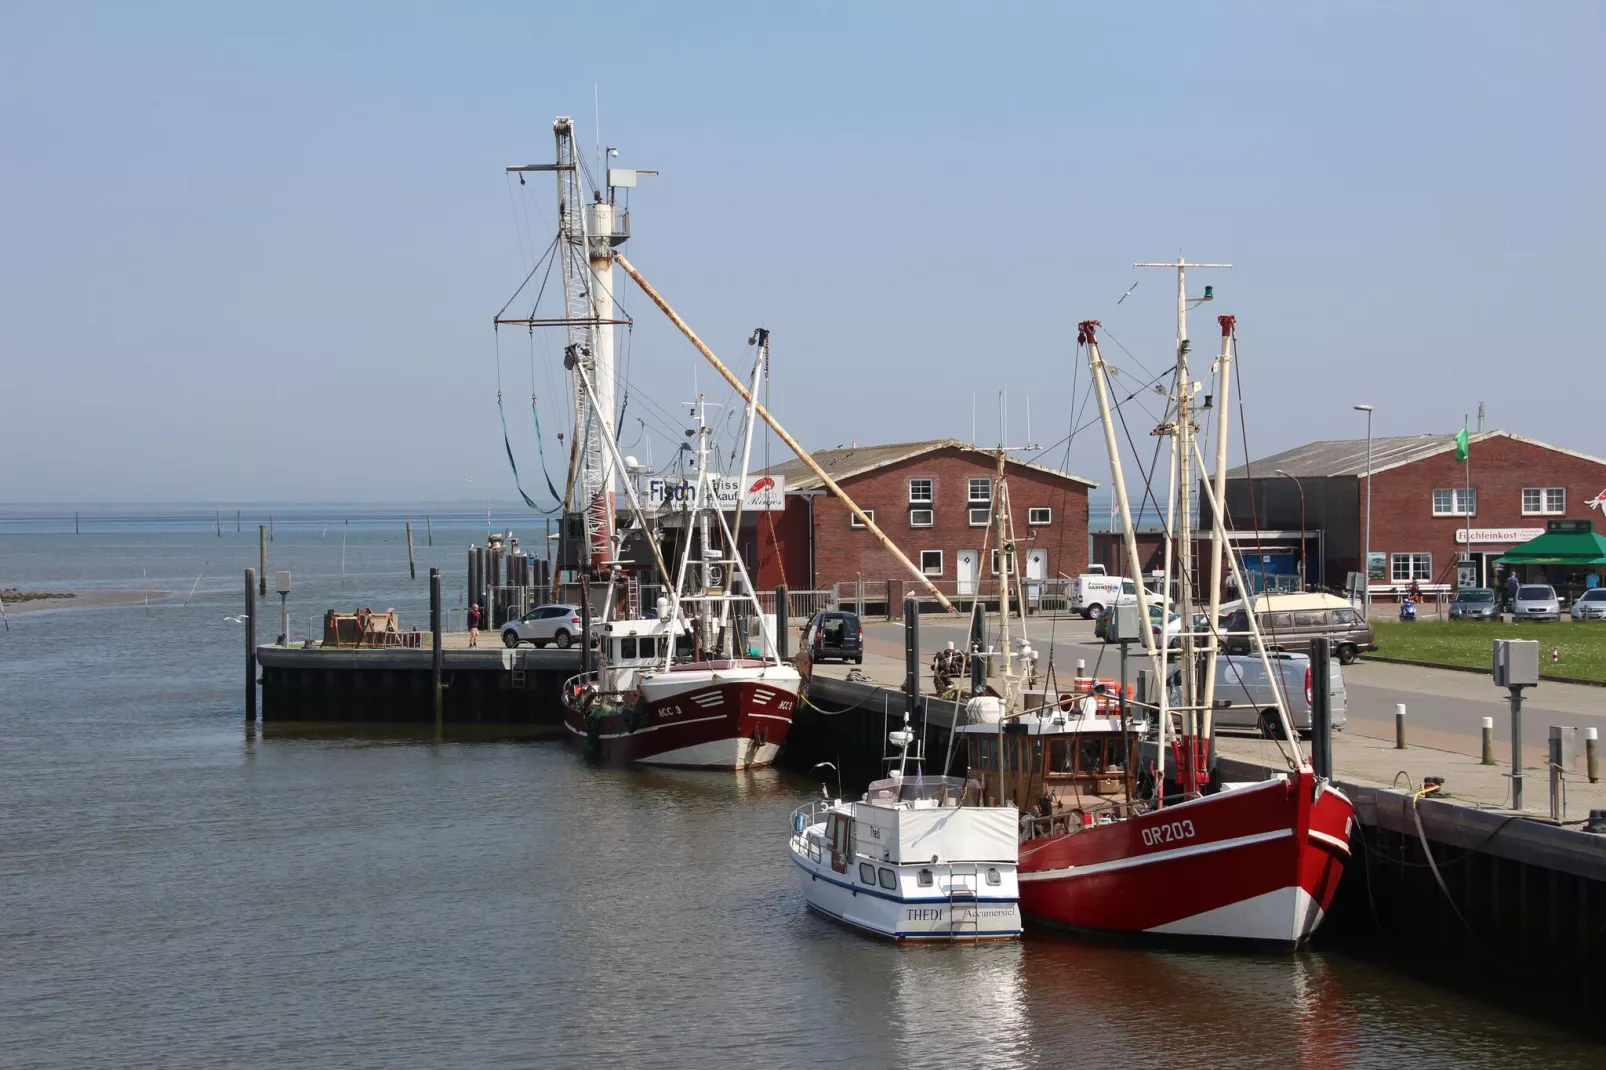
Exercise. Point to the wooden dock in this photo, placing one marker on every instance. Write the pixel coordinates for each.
(490, 684)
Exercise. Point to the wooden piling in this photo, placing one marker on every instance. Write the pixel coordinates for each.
(412, 569)
(262, 548)
(436, 626)
(251, 644)
(75, 523)
(217, 518)
(429, 532)
(270, 527)
(236, 521)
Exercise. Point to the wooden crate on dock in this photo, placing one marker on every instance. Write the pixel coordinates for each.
(362, 628)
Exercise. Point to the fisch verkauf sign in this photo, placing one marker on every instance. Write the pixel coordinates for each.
(760, 493)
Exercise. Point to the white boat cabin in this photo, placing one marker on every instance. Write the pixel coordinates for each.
(631, 647)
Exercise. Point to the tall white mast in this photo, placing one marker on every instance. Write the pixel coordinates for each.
(1182, 430)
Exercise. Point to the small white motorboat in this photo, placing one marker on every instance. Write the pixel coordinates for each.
(918, 858)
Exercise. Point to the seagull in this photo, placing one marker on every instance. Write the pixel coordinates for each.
(1129, 290)
(241, 619)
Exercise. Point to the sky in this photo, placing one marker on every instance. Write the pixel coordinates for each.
(252, 252)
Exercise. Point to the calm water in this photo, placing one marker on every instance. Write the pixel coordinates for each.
(176, 891)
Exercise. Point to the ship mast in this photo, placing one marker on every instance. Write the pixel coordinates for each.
(588, 233)
(1182, 430)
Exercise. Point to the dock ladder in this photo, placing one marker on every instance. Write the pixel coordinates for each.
(962, 891)
(517, 672)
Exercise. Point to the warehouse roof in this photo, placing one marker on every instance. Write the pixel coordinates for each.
(856, 460)
(1347, 456)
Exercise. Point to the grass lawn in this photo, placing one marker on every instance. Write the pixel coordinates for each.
(1454, 642)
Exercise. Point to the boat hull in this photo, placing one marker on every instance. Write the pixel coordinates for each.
(717, 719)
(1256, 865)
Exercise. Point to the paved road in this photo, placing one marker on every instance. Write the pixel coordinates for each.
(1444, 708)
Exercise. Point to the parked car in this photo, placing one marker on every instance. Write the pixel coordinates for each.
(1591, 605)
(1536, 601)
(1245, 696)
(1475, 603)
(556, 624)
(1290, 621)
(834, 634)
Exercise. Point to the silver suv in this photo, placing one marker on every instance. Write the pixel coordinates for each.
(1536, 601)
(1591, 605)
(555, 624)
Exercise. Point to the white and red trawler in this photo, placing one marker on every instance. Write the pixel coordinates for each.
(1255, 863)
(701, 684)
(1109, 846)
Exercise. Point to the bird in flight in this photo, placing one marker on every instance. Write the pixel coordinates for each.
(1129, 290)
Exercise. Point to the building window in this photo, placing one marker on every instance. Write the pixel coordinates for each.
(920, 518)
(1544, 501)
(1037, 517)
(979, 517)
(1455, 501)
(981, 490)
(931, 562)
(919, 491)
(1404, 568)
(855, 522)
(994, 558)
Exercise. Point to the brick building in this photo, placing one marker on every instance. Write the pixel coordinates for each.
(933, 500)
(1420, 505)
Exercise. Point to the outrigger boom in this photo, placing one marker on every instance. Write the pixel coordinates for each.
(792, 443)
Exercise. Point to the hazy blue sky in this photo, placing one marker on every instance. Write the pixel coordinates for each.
(253, 251)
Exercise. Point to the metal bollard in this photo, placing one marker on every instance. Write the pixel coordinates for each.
(1557, 811)
(1591, 761)
(1081, 667)
(1488, 741)
(1399, 727)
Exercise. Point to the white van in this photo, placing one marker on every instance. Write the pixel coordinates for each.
(1245, 697)
(1090, 594)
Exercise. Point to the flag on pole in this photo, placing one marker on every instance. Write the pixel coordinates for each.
(1462, 444)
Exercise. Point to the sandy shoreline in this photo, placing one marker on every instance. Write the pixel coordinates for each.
(87, 599)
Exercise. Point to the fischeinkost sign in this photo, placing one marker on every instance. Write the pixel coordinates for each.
(756, 493)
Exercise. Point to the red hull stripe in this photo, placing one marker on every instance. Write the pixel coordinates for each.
(1158, 857)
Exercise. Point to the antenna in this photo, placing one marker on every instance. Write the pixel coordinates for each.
(972, 417)
(1480, 417)
(1028, 419)
(596, 130)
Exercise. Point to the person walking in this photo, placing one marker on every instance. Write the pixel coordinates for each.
(1511, 589)
(1591, 580)
(474, 624)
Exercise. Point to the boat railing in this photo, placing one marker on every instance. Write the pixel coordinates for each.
(804, 818)
(938, 790)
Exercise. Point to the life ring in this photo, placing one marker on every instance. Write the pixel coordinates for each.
(799, 822)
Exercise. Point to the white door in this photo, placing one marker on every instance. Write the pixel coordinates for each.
(1037, 564)
(969, 569)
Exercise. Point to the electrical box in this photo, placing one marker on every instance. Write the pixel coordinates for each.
(1516, 662)
(281, 582)
(1124, 627)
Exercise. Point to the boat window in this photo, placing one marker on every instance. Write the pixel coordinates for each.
(889, 880)
(627, 648)
(1090, 756)
(994, 877)
(1037, 756)
(866, 873)
(923, 878)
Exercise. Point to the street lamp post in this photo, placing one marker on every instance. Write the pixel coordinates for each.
(1366, 554)
(1301, 486)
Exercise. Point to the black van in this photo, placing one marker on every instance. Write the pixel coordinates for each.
(834, 634)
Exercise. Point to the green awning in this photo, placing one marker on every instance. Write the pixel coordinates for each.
(1559, 548)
